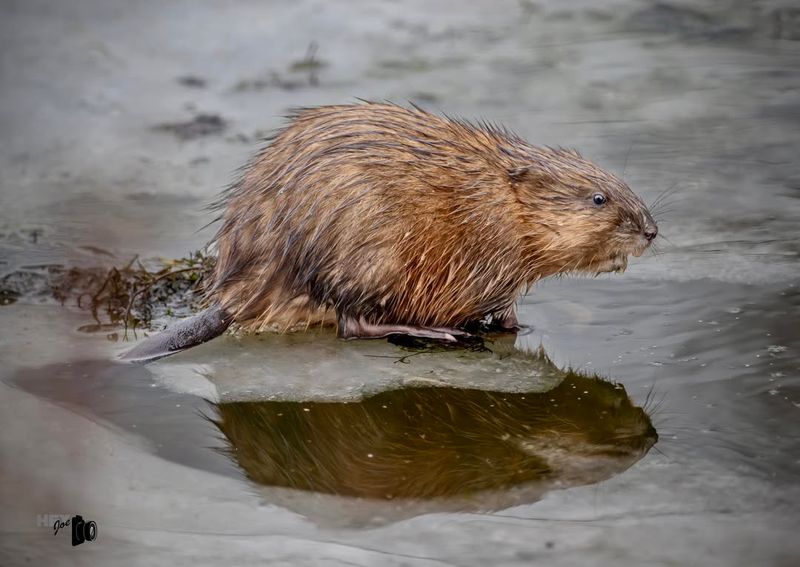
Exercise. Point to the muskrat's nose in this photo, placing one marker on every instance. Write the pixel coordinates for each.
(650, 232)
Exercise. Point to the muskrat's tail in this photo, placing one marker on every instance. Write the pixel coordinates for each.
(183, 335)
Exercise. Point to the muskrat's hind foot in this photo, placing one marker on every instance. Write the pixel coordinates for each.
(352, 328)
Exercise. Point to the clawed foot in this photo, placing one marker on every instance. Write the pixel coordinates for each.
(518, 328)
(507, 322)
(353, 328)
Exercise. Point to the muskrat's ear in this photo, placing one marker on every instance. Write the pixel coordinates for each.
(518, 173)
(531, 173)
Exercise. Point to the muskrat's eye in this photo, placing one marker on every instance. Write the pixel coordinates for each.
(599, 199)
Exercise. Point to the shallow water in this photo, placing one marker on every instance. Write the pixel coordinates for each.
(104, 157)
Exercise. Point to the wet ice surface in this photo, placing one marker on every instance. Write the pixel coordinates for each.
(701, 101)
(316, 366)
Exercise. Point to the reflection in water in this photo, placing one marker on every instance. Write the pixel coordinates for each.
(440, 442)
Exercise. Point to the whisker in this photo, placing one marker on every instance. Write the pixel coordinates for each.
(662, 212)
(665, 203)
(663, 208)
(627, 155)
(655, 251)
(668, 192)
(665, 237)
(662, 453)
(657, 406)
(648, 398)
(658, 199)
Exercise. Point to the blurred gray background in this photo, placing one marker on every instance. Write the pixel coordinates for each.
(121, 120)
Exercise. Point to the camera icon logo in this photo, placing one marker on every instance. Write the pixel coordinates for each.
(83, 531)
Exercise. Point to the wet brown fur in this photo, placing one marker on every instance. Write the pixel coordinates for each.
(395, 215)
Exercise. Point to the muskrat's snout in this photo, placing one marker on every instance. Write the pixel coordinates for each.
(649, 227)
(647, 233)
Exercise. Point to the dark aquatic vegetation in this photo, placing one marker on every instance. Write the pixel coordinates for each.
(134, 296)
(199, 126)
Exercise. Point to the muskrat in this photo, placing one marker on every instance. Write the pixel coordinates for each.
(384, 219)
(436, 442)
